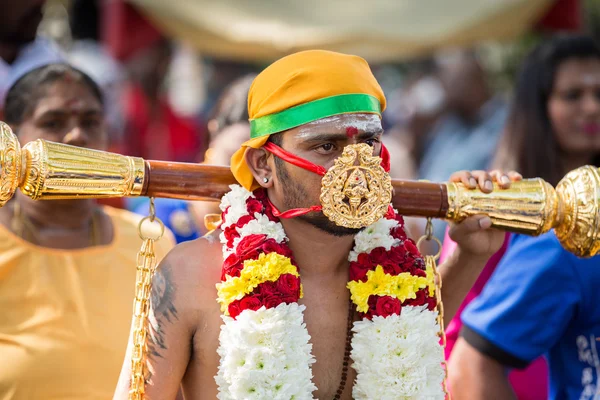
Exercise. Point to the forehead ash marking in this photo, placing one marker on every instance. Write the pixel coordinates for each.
(365, 123)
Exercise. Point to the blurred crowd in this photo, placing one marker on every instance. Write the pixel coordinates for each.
(531, 319)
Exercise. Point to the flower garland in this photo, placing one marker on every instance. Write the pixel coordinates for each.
(264, 344)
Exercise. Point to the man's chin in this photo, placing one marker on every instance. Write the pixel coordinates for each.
(320, 221)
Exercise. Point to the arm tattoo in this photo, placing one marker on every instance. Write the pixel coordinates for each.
(163, 310)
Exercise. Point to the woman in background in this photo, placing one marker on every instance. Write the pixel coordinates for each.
(67, 267)
(540, 300)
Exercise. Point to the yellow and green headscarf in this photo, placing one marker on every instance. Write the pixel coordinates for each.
(301, 88)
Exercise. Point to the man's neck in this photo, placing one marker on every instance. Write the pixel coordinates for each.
(317, 253)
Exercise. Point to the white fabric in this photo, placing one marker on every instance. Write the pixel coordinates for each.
(379, 30)
(35, 54)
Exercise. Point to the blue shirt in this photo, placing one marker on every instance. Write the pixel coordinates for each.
(176, 216)
(542, 300)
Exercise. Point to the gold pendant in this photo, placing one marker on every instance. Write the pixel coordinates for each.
(356, 191)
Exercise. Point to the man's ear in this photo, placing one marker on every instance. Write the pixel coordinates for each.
(258, 162)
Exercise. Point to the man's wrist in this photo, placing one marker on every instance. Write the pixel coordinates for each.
(466, 259)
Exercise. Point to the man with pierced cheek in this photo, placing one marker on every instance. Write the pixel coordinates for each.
(311, 263)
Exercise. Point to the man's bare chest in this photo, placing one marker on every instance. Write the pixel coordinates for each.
(327, 324)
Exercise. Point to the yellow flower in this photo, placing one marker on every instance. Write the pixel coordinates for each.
(267, 268)
(402, 286)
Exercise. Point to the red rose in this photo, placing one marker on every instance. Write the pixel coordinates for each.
(411, 248)
(260, 194)
(431, 303)
(398, 233)
(271, 246)
(234, 309)
(372, 302)
(418, 301)
(378, 256)
(254, 206)
(397, 254)
(390, 214)
(232, 266)
(387, 305)
(288, 285)
(269, 213)
(267, 289)
(244, 220)
(273, 301)
(231, 234)
(402, 261)
(423, 298)
(391, 260)
(250, 302)
(249, 244)
(358, 271)
(224, 213)
(391, 268)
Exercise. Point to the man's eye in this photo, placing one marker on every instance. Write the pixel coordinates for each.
(371, 142)
(327, 147)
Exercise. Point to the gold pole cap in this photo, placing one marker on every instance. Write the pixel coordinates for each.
(578, 228)
(10, 163)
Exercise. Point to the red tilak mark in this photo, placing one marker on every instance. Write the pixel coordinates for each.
(351, 131)
(68, 77)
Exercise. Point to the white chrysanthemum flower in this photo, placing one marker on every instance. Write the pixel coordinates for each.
(266, 354)
(398, 357)
(375, 235)
(236, 199)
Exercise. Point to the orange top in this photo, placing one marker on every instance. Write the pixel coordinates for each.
(65, 315)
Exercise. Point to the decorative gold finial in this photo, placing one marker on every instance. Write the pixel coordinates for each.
(578, 226)
(356, 191)
(10, 163)
(47, 170)
(533, 207)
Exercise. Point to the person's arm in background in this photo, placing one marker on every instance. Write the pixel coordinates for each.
(523, 311)
(476, 242)
(480, 378)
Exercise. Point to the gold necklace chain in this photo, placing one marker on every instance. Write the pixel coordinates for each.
(20, 222)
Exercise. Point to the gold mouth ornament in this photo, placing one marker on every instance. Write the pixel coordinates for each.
(356, 191)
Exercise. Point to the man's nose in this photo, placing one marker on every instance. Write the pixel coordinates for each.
(76, 137)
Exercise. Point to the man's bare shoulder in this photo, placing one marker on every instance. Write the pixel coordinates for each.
(194, 268)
